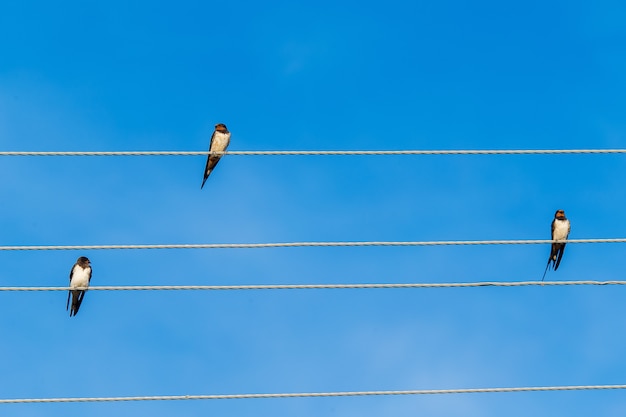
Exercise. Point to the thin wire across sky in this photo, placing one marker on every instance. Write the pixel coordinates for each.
(303, 244)
(322, 152)
(313, 394)
(320, 286)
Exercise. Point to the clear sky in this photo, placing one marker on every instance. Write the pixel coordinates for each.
(330, 75)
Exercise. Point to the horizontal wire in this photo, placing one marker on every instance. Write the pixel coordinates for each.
(312, 394)
(306, 244)
(374, 152)
(314, 286)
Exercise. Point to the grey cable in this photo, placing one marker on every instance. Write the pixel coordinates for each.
(320, 152)
(312, 394)
(305, 244)
(318, 286)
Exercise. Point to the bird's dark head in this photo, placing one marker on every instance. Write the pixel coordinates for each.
(221, 127)
(560, 214)
(83, 261)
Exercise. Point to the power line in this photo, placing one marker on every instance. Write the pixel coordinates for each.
(320, 152)
(312, 394)
(317, 286)
(306, 244)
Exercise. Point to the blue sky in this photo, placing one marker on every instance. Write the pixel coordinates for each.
(324, 75)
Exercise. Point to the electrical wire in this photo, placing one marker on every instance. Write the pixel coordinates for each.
(312, 394)
(306, 244)
(320, 152)
(316, 286)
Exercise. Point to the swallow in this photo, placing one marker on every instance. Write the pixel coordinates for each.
(80, 276)
(219, 142)
(560, 232)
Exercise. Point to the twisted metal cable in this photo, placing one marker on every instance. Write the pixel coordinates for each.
(317, 286)
(305, 244)
(320, 152)
(312, 394)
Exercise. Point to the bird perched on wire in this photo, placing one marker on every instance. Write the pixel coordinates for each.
(560, 232)
(219, 142)
(80, 275)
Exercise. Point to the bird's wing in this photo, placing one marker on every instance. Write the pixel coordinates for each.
(211, 143)
(560, 255)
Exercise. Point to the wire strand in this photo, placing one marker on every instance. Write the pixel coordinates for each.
(306, 244)
(315, 286)
(320, 152)
(313, 394)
